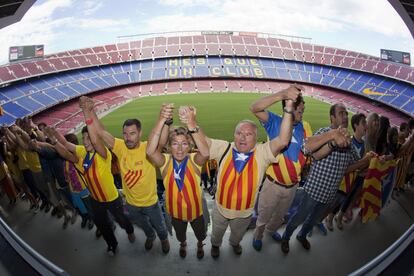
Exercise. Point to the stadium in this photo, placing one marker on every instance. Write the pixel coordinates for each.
(221, 73)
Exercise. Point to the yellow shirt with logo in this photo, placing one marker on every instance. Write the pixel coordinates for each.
(98, 177)
(139, 180)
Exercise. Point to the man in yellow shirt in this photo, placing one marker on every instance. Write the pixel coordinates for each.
(139, 181)
(94, 160)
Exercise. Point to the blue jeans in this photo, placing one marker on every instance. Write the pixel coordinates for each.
(149, 218)
(309, 212)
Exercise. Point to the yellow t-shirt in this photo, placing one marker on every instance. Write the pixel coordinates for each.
(22, 162)
(98, 177)
(237, 192)
(33, 161)
(139, 180)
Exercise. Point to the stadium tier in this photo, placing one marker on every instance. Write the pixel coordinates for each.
(35, 86)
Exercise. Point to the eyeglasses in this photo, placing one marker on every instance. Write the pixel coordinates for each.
(182, 144)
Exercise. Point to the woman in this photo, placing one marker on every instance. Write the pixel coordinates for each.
(181, 171)
(372, 132)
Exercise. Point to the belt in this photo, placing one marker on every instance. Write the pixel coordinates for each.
(280, 184)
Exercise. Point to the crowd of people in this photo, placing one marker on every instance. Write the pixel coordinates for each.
(296, 177)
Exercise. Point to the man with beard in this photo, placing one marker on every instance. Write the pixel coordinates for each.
(139, 181)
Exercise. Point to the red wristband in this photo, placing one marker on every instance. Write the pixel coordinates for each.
(89, 121)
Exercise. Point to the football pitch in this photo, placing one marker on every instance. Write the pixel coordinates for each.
(217, 113)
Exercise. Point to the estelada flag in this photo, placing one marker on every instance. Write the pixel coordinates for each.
(347, 182)
(371, 188)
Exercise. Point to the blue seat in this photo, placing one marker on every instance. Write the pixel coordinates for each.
(29, 104)
(44, 99)
(15, 110)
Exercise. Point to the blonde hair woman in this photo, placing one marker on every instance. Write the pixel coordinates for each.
(181, 170)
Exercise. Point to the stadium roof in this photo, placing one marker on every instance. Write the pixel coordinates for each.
(12, 11)
(405, 9)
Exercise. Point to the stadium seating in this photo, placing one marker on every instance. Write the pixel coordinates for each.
(53, 89)
(67, 116)
(77, 73)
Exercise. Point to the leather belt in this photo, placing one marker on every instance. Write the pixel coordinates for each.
(280, 184)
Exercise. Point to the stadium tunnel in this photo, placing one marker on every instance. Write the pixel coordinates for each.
(204, 62)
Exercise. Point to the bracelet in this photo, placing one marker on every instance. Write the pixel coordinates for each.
(194, 130)
(89, 121)
(330, 145)
(291, 111)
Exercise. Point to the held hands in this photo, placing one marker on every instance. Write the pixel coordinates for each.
(291, 95)
(86, 103)
(292, 92)
(50, 132)
(342, 138)
(187, 116)
(370, 155)
(166, 112)
(16, 129)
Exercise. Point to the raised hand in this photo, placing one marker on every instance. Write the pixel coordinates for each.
(86, 103)
(293, 92)
(187, 115)
(166, 112)
(50, 132)
(342, 138)
(16, 129)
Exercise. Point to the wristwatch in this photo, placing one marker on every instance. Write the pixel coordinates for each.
(289, 111)
(168, 122)
(194, 130)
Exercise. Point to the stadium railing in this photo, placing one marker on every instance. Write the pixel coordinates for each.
(39, 263)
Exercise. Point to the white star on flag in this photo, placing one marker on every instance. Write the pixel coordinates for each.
(241, 157)
(177, 174)
(293, 140)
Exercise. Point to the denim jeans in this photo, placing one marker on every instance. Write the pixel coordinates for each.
(149, 218)
(309, 212)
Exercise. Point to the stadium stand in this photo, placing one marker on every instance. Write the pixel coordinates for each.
(31, 87)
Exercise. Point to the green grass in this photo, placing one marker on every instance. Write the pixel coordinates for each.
(217, 113)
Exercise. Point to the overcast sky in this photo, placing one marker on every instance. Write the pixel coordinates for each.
(363, 26)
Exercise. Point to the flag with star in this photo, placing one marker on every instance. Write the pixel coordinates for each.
(240, 159)
(182, 189)
(238, 181)
(179, 172)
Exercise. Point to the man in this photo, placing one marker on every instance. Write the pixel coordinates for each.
(333, 157)
(94, 160)
(241, 167)
(346, 194)
(138, 174)
(282, 177)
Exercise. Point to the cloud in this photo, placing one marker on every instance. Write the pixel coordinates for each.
(294, 17)
(94, 24)
(268, 16)
(67, 24)
(188, 3)
(36, 27)
(43, 25)
(90, 7)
